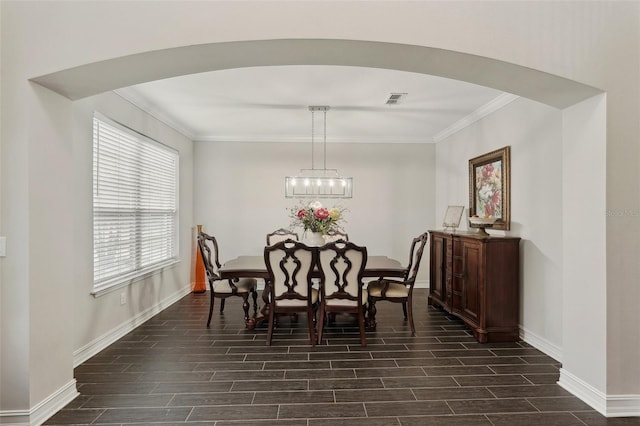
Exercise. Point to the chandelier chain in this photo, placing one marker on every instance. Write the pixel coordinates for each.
(325, 141)
(313, 164)
(318, 182)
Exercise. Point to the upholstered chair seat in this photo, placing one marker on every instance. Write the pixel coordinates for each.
(243, 285)
(289, 266)
(292, 303)
(341, 265)
(391, 288)
(346, 302)
(219, 288)
(398, 291)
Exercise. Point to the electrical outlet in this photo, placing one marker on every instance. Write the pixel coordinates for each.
(123, 298)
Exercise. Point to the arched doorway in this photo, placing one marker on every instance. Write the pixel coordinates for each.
(573, 97)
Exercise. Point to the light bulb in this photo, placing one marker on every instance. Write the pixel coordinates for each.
(307, 182)
(319, 182)
(293, 182)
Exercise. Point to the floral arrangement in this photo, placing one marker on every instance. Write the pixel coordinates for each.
(489, 196)
(316, 218)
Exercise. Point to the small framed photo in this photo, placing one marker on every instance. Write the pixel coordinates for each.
(489, 189)
(452, 217)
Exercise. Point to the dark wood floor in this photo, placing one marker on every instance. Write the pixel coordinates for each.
(173, 370)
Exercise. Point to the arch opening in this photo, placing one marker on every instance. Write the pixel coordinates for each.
(98, 77)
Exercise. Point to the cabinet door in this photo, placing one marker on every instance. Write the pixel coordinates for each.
(437, 285)
(471, 283)
(457, 276)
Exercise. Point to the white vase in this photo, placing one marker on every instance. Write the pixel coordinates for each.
(315, 239)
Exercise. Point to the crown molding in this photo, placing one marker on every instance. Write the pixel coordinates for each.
(139, 102)
(485, 110)
(490, 107)
(289, 139)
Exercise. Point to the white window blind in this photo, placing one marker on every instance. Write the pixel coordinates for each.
(135, 199)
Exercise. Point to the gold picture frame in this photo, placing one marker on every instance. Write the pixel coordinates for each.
(489, 187)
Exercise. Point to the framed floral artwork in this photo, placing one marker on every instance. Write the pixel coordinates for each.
(489, 187)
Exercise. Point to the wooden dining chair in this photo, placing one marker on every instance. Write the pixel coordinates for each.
(399, 291)
(219, 288)
(341, 264)
(289, 267)
(281, 235)
(331, 236)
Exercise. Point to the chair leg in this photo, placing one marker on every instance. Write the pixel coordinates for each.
(363, 336)
(404, 310)
(221, 305)
(254, 295)
(413, 328)
(271, 324)
(310, 320)
(321, 324)
(371, 322)
(245, 305)
(212, 294)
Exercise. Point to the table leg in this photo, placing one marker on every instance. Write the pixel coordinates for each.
(371, 317)
(252, 323)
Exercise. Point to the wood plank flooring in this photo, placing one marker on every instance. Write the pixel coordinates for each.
(172, 370)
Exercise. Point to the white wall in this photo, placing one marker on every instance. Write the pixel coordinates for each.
(595, 43)
(534, 132)
(240, 193)
(584, 243)
(51, 284)
(95, 317)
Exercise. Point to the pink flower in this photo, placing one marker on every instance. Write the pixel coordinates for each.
(321, 213)
(487, 171)
(301, 214)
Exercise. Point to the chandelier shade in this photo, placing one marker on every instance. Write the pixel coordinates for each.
(318, 182)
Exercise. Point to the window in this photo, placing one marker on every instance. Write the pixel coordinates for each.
(135, 199)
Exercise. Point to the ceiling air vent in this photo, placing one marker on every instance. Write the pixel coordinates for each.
(395, 98)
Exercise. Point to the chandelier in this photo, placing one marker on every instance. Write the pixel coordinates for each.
(316, 182)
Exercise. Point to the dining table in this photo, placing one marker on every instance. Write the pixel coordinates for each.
(255, 267)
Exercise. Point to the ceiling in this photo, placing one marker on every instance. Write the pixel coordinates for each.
(271, 103)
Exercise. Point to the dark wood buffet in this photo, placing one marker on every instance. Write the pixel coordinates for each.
(476, 278)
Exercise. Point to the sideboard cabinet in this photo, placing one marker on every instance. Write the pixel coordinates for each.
(476, 278)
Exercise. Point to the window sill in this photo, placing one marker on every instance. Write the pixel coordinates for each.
(120, 282)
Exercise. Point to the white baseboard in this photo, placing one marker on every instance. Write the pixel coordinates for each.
(14, 417)
(551, 349)
(421, 284)
(44, 410)
(67, 393)
(623, 406)
(592, 396)
(607, 405)
(92, 348)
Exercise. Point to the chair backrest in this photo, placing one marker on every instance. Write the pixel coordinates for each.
(415, 255)
(281, 235)
(335, 235)
(341, 265)
(289, 265)
(209, 251)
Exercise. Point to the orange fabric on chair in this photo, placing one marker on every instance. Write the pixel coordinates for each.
(198, 279)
